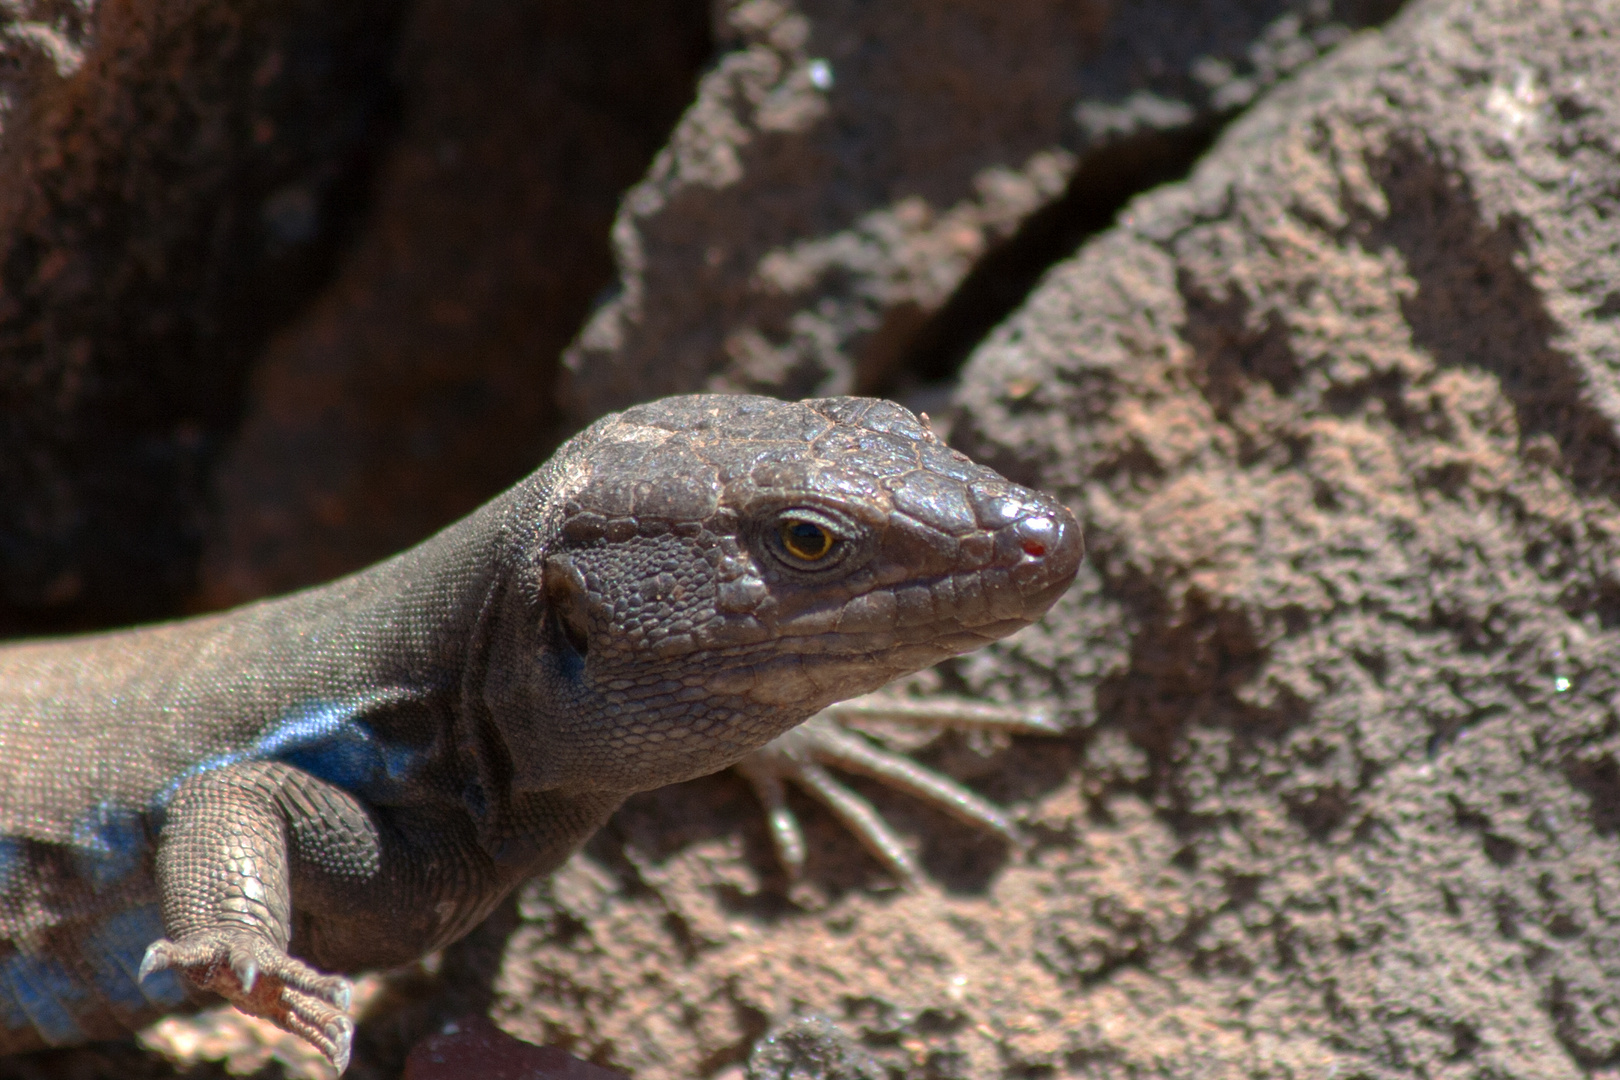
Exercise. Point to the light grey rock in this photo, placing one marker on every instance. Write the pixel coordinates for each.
(847, 165)
(1339, 412)
(1341, 415)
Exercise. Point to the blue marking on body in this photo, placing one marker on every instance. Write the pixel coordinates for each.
(11, 1013)
(113, 950)
(13, 865)
(325, 742)
(108, 844)
(46, 995)
(330, 740)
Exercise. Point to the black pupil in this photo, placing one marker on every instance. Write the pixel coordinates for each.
(807, 540)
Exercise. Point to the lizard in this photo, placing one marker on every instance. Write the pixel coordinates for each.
(256, 803)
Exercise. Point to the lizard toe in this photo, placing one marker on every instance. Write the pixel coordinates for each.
(801, 757)
(262, 980)
(319, 1024)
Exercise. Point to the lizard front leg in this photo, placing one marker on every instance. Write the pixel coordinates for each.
(237, 843)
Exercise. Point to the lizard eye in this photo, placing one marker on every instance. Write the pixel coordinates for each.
(805, 539)
(810, 539)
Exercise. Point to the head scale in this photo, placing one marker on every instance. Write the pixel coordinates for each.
(694, 576)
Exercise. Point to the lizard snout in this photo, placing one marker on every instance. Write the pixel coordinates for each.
(1037, 542)
(1048, 547)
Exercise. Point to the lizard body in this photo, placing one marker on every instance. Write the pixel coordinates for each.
(354, 775)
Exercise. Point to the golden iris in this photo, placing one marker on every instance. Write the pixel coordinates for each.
(805, 539)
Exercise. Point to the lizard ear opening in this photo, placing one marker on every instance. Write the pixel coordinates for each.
(565, 602)
(573, 632)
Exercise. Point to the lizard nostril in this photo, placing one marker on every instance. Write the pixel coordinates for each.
(1042, 550)
(1037, 535)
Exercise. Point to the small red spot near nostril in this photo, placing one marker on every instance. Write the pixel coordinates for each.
(1034, 547)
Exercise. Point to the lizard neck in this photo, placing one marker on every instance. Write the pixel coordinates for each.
(404, 627)
(359, 681)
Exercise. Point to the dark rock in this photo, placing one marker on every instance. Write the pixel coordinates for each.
(419, 383)
(474, 1047)
(811, 1048)
(283, 284)
(175, 178)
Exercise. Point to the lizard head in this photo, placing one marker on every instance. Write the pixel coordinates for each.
(697, 575)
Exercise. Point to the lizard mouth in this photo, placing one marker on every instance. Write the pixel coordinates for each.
(834, 653)
(1022, 570)
(1003, 578)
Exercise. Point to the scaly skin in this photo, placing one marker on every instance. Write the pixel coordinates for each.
(352, 776)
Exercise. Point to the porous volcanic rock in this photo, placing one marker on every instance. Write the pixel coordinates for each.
(847, 166)
(1343, 799)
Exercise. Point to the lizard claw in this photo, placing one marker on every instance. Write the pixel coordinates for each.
(156, 959)
(262, 980)
(801, 755)
(344, 997)
(334, 1038)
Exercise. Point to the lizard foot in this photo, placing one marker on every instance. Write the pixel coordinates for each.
(801, 756)
(261, 980)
